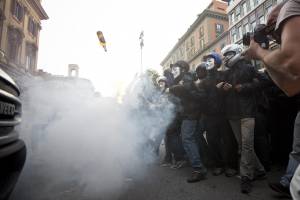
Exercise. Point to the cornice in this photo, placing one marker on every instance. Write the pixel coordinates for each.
(39, 9)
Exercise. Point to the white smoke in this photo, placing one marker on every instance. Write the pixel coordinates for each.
(83, 145)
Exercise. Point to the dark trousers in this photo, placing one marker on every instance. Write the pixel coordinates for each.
(262, 143)
(174, 148)
(173, 143)
(221, 143)
(202, 144)
(10, 169)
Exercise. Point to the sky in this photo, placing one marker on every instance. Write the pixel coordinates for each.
(69, 37)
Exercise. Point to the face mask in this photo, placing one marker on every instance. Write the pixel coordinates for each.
(162, 85)
(210, 62)
(176, 71)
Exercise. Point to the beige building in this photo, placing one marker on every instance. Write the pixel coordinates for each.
(208, 33)
(20, 26)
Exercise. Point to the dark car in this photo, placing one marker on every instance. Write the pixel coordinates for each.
(12, 149)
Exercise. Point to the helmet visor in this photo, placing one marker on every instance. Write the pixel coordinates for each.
(176, 71)
(228, 56)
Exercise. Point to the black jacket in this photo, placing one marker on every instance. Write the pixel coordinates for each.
(192, 99)
(214, 97)
(241, 104)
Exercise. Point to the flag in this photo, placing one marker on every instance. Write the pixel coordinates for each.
(141, 35)
(101, 40)
(141, 39)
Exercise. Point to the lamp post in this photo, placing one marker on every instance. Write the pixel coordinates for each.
(141, 45)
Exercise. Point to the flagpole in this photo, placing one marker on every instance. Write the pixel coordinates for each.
(141, 59)
(141, 45)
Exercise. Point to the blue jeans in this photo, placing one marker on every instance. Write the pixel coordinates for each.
(189, 140)
(294, 155)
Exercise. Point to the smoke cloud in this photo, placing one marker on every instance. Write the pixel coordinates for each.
(82, 146)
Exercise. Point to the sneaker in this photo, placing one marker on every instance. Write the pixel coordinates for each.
(246, 185)
(279, 188)
(165, 164)
(174, 166)
(179, 164)
(217, 171)
(196, 176)
(230, 172)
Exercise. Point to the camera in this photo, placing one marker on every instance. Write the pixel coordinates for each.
(262, 35)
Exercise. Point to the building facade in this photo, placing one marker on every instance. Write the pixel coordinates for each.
(20, 26)
(244, 15)
(208, 33)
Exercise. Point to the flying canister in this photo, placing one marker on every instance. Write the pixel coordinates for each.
(102, 40)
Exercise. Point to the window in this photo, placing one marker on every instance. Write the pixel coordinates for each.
(255, 2)
(240, 32)
(246, 28)
(181, 51)
(32, 27)
(192, 41)
(187, 46)
(201, 43)
(201, 32)
(17, 10)
(30, 61)
(192, 44)
(233, 35)
(219, 29)
(261, 20)
(14, 41)
(244, 8)
(238, 12)
(252, 4)
(268, 3)
(253, 24)
(232, 18)
(201, 37)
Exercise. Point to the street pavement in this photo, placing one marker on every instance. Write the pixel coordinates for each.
(158, 183)
(169, 184)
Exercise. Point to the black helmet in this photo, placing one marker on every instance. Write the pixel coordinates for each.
(201, 70)
(201, 67)
(184, 66)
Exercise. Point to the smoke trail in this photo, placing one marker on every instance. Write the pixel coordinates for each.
(81, 146)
